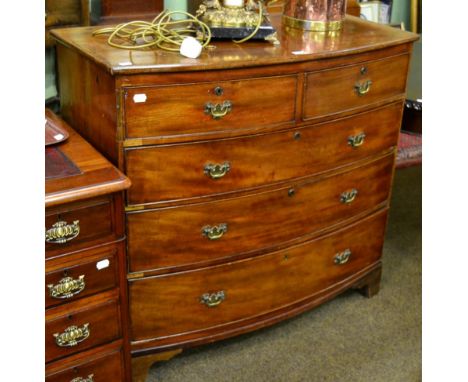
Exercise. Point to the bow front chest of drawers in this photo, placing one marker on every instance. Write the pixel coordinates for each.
(260, 173)
(85, 280)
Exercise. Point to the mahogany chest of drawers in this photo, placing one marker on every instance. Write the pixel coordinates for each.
(260, 173)
(85, 280)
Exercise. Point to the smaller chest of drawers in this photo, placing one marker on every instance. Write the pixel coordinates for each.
(85, 289)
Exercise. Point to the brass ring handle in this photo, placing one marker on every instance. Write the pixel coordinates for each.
(90, 378)
(212, 299)
(342, 257)
(61, 232)
(216, 232)
(218, 110)
(356, 140)
(72, 336)
(67, 287)
(348, 196)
(363, 88)
(217, 171)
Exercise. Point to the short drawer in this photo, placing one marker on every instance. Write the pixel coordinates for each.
(82, 325)
(333, 91)
(206, 232)
(156, 111)
(104, 364)
(81, 275)
(184, 171)
(79, 225)
(191, 302)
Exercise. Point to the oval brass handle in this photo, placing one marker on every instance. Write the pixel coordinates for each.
(216, 232)
(67, 287)
(348, 196)
(356, 140)
(218, 110)
(213, 299)
(217, 171)
(363, 88)
(342, 257)
(61, 232)
(90, 378)
(72, 336)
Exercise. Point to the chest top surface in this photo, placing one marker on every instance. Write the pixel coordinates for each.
(80, 171)
(357, 36)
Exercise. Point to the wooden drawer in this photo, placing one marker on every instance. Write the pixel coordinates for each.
(104, 364)
(88, 223)
(206, 232)
(84, 274)
(184, 171)
(333, 91)
(156, 111)
(97, 319)
(189, 303)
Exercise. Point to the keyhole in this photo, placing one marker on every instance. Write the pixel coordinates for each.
(363, 70)
(291, 192)
(219, 90)
(297, 135)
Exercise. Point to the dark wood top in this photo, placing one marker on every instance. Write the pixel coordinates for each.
(85, 173)
(296, 45)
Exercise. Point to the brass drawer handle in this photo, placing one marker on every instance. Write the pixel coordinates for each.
(356, 140)
(67, 287)
(72, 336)
(61, 232)
(363, 88)
(342, 257)
(348, 196)
(90, 378)
(216, 232)
(217, 171)
(213, 299)
(218, 110)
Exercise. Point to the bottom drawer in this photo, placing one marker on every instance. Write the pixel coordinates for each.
(193, 302)
(104, 364)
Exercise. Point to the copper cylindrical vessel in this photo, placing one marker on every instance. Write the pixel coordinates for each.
(314, 15)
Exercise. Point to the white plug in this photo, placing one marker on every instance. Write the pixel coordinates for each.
(190, 47)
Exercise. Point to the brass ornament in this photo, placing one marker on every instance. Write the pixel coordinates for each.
(363, 88)
(62, 232)
(67, 287)
(72, 336)
(217, 171)
(218, 110)
(342, 257)
(356, 140)
(213, 299)
(348, 197)
(89, 378)
(215, 232)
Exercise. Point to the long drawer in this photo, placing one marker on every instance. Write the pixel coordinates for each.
(81, 325)
(184, 171)
(333, 91)
(155, 111)
(200, 233)
(80, 275)
(192, 302)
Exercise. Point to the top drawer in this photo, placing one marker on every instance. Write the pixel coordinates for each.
(156, 111)
(333, 91)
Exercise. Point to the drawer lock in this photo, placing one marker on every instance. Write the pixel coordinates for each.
(67, 287)
(72, 336)
(212, 299)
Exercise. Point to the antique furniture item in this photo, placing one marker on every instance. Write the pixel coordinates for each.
(85, 281)
(260, 173)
